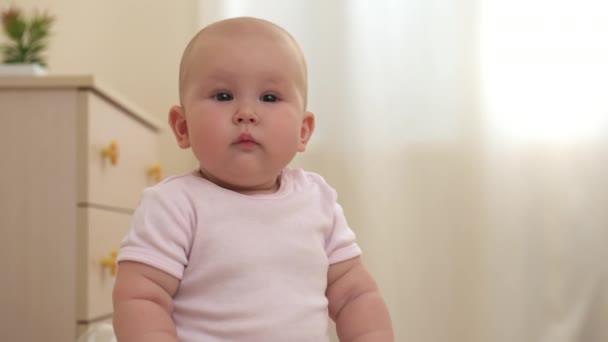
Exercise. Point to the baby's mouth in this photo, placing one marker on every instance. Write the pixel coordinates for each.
(246, 140)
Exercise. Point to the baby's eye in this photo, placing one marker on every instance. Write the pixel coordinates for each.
(269, 98)
(223, 96)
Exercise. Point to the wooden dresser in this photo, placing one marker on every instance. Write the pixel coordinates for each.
(74, 159)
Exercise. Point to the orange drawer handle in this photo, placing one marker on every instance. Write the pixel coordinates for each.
(156, 171)
(110, 262)
(111, 152)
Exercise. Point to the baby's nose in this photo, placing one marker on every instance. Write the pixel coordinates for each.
(245, 115)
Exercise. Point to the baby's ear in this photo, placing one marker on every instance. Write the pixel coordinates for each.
(308, 127)
(179, 125)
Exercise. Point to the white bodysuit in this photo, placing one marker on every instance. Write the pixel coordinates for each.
(251, 267)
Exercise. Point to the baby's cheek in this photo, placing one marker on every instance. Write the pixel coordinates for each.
(286, 142)
(205, 147)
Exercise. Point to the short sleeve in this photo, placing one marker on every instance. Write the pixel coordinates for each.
(160, 234)
(341, 244)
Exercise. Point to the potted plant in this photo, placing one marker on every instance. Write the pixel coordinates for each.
(27, 41)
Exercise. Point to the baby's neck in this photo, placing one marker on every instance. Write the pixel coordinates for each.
(269, 188)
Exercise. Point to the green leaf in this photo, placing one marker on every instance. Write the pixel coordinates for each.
(5, 48)
(29, 37)
(12, 55)
(37, 47)
(37, 60)
(16, 29)
(14, 60)
(39, 27)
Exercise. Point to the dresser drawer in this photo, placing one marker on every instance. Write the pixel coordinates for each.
(101, 232)
(117, 184)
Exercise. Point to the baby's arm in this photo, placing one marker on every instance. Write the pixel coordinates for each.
(143, 304)
(355, 304)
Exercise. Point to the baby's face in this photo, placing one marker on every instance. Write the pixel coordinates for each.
(244, 107)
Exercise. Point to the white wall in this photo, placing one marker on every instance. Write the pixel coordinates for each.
(132, 46)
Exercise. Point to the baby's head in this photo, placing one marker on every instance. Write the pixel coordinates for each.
(243, 28)
(243, 94)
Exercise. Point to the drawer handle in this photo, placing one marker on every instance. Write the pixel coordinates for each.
(111, 152)
(110, 262)
(156, 171)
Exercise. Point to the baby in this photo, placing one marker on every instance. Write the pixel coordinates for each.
(243, 248)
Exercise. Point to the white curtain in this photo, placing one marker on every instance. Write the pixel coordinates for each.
(468, 143)
(544, 86)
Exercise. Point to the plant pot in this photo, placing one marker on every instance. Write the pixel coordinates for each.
(22, 70)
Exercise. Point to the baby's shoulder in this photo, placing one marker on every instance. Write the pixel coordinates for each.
(174, 187)
(303, 179)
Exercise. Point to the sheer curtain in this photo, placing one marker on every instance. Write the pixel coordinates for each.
(467, 143)
(544, 80)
